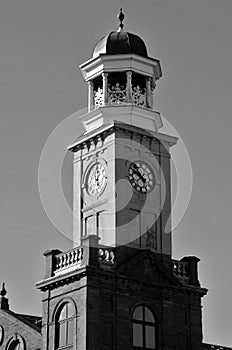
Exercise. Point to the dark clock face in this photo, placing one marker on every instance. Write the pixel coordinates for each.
(141, 177)
(96, 179)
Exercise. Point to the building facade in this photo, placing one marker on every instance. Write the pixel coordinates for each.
(119, 288)
(18, 331)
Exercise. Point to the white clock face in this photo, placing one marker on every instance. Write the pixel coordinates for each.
(141, 177)
(96, 179)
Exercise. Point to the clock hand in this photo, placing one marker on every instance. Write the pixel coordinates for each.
(96, 174)
(137, 172)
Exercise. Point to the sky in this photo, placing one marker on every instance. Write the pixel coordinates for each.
(42, 43)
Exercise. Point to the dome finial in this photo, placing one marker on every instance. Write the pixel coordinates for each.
(3, 290)
(121, 17)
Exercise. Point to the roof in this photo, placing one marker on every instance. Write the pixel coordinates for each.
(120, 42)
(32, 321)
(214, 347)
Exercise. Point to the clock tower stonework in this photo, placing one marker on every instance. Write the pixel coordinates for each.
(119, 288)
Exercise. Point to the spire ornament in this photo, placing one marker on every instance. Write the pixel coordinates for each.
(121, 17)
(4, 305)
(3, 290)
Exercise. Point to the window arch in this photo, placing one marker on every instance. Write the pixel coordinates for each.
(16, 343)
(144, 329)
(65, 326)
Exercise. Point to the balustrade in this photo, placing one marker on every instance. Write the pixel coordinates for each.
(106, 255)
(181, 269)
(68, 260)
(215, 347)
(73, 259)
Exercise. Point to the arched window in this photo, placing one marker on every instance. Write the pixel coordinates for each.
(144, 329)
(65, 326)
(16, 343)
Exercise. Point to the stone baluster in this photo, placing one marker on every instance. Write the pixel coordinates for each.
(72, 256)
(129, 87)
(106, 255)
(105, 88)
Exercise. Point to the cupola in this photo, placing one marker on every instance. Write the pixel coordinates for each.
(120, 73)
(120, 41)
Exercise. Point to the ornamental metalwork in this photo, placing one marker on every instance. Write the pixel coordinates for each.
(116, 95)
(139, 96)
(98, 98)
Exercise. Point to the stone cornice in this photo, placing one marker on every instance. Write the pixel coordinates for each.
(57, 281)
(110, 127)
(121, 62)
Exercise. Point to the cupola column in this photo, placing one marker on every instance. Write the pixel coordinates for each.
(149, 100)
(105, 88)
(90, 96)
(128, 87)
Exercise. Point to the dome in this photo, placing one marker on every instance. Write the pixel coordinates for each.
(120, 42)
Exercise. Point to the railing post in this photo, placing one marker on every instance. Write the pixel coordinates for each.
(193, 270)
(105, 88)
(148, 93)
(50, 262)
(128, 86)
(90, 246)
(90, 96)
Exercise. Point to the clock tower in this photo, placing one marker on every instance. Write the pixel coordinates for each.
(122, 162)
(119, 288)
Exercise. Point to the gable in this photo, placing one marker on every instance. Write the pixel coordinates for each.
(147, 268)
(13, 325)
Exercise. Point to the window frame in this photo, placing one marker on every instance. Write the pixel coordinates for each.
(65, 321)
(143, 323)
(15, 341)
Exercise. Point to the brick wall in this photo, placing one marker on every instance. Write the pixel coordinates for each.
(12, 325)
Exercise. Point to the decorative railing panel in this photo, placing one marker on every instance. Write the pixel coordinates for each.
(139, 96)
(68, 261)
(116, 95)
(98, 98)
